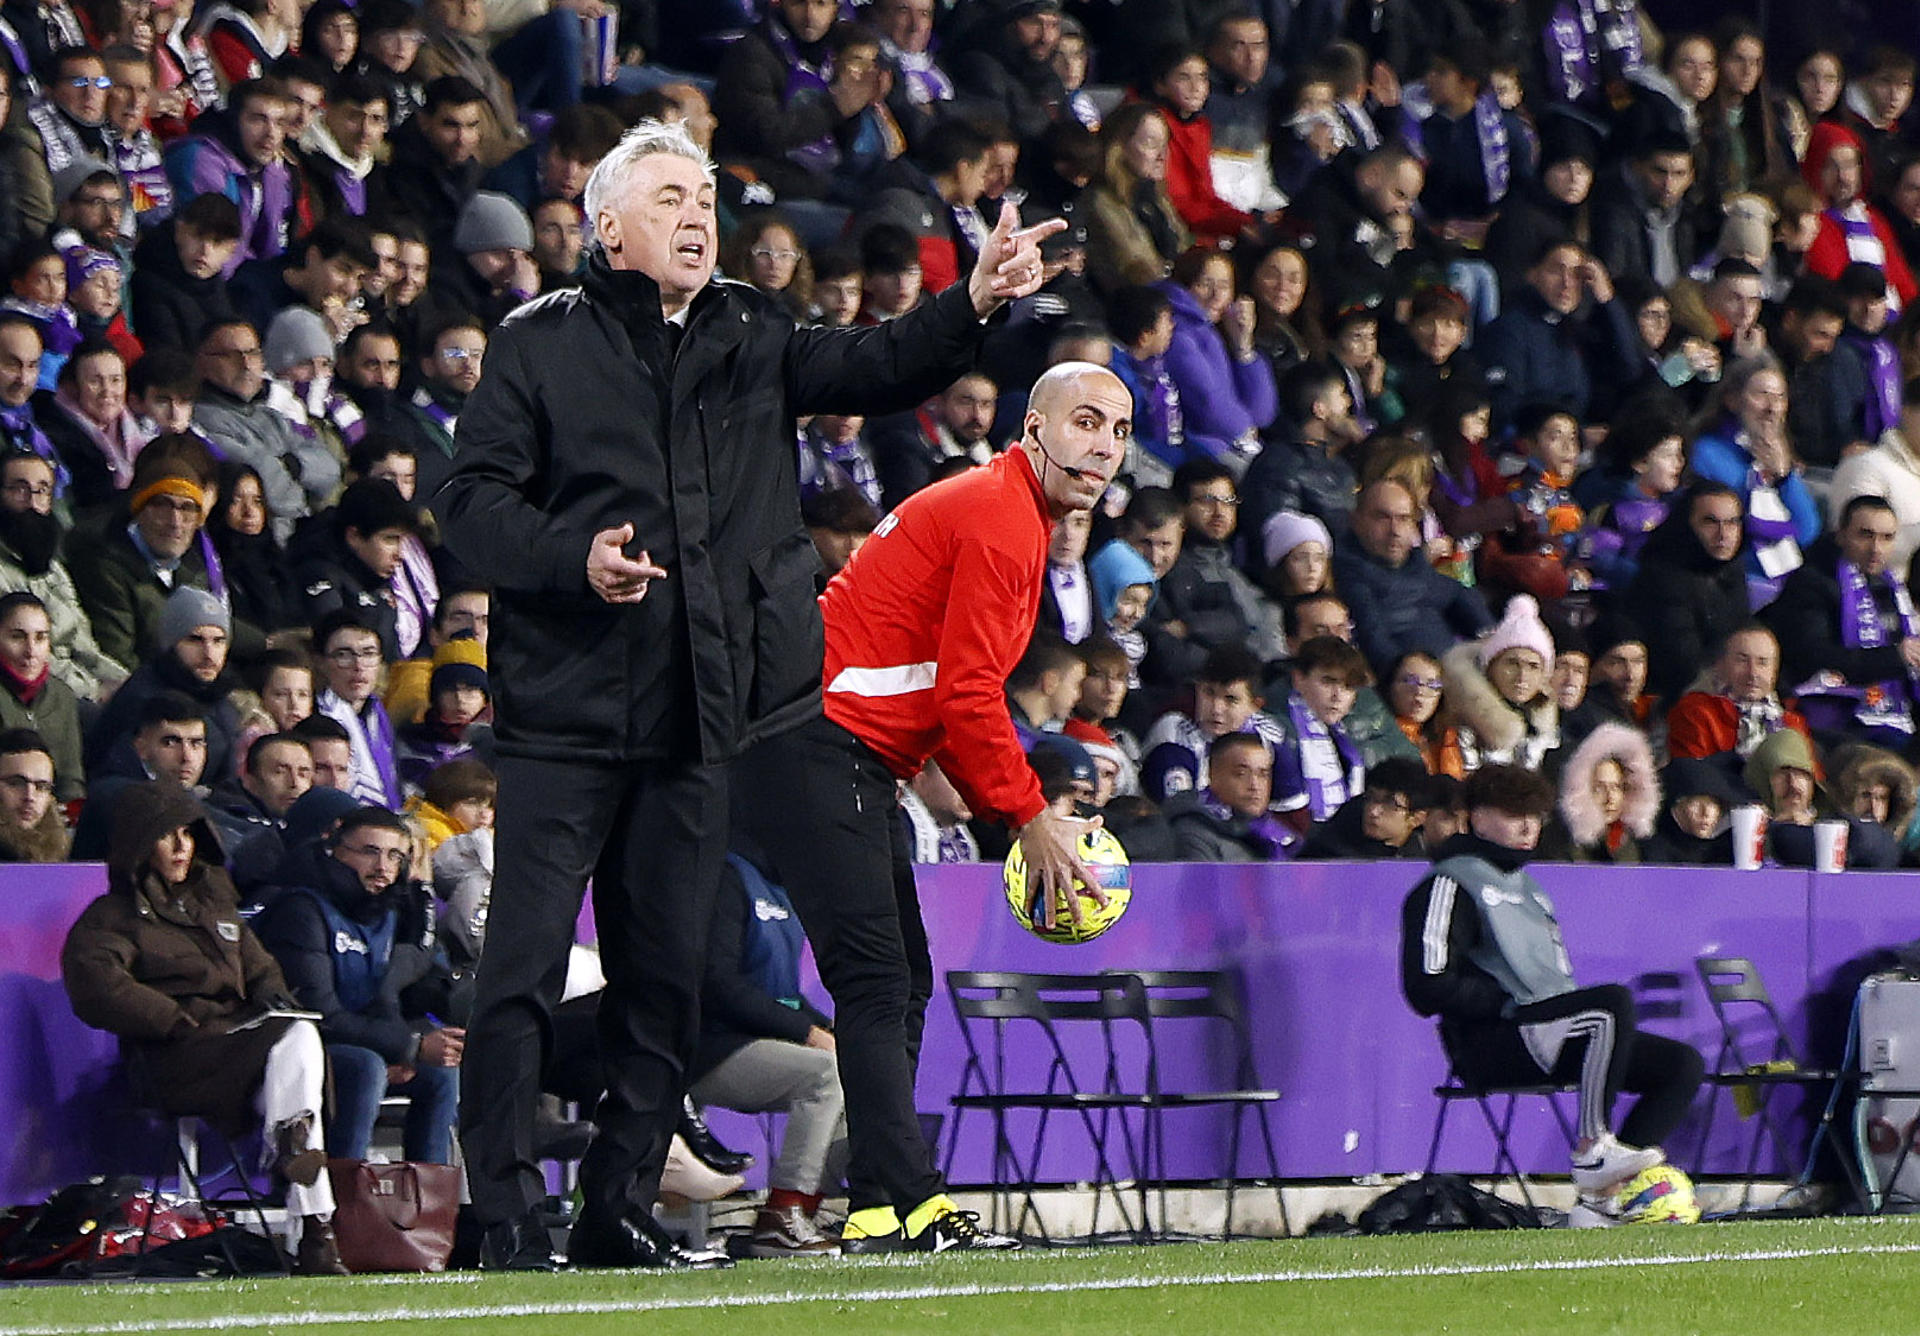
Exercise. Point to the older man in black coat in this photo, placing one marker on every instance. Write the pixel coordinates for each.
(1399, 601)
(625, 479)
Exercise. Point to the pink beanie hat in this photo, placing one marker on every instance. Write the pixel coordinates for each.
(1520, 628)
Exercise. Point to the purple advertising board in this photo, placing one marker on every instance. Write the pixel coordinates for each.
(1315, 944)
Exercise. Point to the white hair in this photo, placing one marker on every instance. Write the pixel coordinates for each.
(644, 140)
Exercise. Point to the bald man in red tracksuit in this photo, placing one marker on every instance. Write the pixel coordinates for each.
(922, 629)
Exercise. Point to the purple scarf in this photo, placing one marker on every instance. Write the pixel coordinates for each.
(216, 572)
(1882, 704)
(375, 777)
(1332, 768)
(1589, 42)
(1882, 408)
(139, 164)
(803, 77)
(924, 81)
(1496, 148)
(26, 87)
(1271, 837)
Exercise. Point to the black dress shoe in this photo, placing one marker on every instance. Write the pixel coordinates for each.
(518, 1245)
(707, 1147)
(636, 1239)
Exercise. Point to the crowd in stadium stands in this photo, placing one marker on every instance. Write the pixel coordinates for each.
(1515, 381)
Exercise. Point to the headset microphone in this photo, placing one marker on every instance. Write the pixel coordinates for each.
(1075, 474)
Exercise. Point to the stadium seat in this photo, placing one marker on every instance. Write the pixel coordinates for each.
(1756, 1059)
(1018, 1058)
(1454, 1090)
(1210, 997)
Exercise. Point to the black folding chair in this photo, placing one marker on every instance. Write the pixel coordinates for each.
(1017, 1059)
(1215, 999)
(1456, 1090)
(1755, 1057)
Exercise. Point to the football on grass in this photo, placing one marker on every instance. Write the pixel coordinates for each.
(1661, 1195)
(1101, 852)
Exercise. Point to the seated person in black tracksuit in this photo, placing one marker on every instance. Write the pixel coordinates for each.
(1480, 949)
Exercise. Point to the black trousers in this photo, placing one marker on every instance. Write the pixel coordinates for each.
(824, 809)
(651, 836)
(1604, 1053)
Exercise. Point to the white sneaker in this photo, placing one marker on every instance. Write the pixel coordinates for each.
(1593, 1213)
(1609, 1161)
(687, 1177)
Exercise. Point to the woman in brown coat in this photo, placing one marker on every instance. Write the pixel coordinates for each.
(164, 961)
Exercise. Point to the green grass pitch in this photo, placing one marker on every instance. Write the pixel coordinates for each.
(1831, 1277)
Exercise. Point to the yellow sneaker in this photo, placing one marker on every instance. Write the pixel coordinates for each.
(938, 1225)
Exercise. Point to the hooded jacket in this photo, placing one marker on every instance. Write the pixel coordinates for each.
(697, 453)
(1580, 833)
(210, 162)
(1685, 601)
(1491, 728)
(170, 969)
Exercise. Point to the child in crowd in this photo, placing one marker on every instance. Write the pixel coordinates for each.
(455, 799)
(350, 658)
(1299, 556)
(1141, 319)
(1103, 697)
(1226, 699)
(838, 281)
(890, 264)
(1415, 693)
(282, 680)
(94, 295)
(1068, 604)
(1868, 314)
(1648, 457)
(1070, 64)
(456, 727)
(1437, 327)
(1497, 686)
(1469, 495)
(1123, 589)
(1317, 767)
(37, 289)
(1353, 347)
(1539, 554)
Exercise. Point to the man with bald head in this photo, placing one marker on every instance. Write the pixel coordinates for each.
(923, 627)
(1399, 601)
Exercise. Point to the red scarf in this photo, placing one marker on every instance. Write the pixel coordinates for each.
(21, 687)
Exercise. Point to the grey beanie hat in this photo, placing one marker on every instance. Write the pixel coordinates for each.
(68, 180)
(297, 334)
(186, 609)
(492, 221)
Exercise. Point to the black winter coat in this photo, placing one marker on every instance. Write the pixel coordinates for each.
(1806, 620)
(167, 306)
(296, 932)
(1408, 608)
(583, 422)
(1686, 602)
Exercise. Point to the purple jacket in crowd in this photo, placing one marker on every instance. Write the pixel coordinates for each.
(1222, 399)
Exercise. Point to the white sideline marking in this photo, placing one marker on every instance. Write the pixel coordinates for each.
(596, 1307)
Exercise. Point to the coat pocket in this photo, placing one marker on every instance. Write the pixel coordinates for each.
(788, 640)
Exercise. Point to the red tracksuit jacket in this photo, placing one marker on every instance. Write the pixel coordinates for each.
(926, 622)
